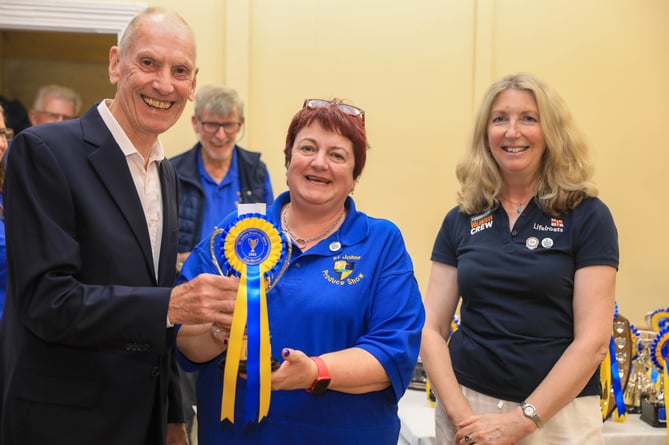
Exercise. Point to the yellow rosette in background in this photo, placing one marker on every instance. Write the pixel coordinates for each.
(255, 249)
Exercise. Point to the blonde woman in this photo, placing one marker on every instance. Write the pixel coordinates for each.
(531, 254)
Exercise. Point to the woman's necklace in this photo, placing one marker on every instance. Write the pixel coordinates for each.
(519, 205)
(301, 242)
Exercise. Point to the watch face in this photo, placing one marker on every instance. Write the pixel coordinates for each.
(530, 411)
(321, 386)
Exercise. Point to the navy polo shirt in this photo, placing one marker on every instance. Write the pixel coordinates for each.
(517, 291)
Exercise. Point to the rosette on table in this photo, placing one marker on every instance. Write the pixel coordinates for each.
(615, 369)
(255, 249)
(659, 319)
(659, 352)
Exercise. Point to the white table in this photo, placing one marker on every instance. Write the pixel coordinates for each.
(417, 420)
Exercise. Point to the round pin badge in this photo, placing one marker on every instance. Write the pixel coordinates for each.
(532, 243)
(546, 243)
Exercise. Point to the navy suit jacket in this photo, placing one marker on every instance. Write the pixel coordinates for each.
(85, 354)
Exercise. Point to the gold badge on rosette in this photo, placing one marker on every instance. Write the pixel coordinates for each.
(256, 250)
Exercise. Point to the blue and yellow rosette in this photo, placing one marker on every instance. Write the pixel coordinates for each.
(253, 248)
(659, 319)
(636, 346)
(455, 325)
(609, 377)
(659, 352)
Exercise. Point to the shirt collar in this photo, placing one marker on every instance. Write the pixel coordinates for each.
(127, 147)
(353, 230)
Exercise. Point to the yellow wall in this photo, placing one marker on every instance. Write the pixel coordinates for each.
(610, 61)
(418, 68)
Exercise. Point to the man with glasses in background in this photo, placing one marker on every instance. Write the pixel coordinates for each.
(215, 175)
(54, 103)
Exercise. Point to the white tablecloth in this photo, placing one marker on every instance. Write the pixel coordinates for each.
(417, 417)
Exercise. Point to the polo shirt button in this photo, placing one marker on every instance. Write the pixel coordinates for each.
(155, 372)
(514, 233)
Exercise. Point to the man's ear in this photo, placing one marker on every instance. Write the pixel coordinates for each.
(114, 62)
(191, 95)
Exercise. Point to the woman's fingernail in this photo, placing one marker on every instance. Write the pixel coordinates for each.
(286, 352)
(225, 341)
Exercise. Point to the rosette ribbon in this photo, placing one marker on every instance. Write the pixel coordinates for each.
(659, 352)
(659, 319)
(253, 248)
(610, 380)
(620, 412)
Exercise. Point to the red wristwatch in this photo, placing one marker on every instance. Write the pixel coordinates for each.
(322, 381)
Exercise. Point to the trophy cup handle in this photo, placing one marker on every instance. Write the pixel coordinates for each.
(212, 249)
(271, 281)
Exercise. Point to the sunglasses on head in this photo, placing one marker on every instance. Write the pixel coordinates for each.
(346, 108)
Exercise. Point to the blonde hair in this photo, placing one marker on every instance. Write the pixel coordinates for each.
(564, 178)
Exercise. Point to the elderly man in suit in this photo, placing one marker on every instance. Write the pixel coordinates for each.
(86, 340)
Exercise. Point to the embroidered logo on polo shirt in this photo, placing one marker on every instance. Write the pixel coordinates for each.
(557, 225)
(342, 271)
(480, 223)
(343, 268)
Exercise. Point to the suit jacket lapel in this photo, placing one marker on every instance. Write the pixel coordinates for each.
(168, 251)
(111, 166)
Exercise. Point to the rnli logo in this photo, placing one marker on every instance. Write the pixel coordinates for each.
(556, 226)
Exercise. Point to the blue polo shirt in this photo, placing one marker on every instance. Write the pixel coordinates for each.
(223, 198)
(517, 291)
(356, 288)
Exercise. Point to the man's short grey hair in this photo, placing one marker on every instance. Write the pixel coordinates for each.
(219, 100)
(57, 91)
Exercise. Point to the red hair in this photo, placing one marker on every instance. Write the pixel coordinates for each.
(331, 118)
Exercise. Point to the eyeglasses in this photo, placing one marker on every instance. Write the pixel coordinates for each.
(346, 108)
(55, 116)
(228, 127)
(7, 133)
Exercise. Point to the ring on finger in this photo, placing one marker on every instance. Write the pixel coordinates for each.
(467, 438)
